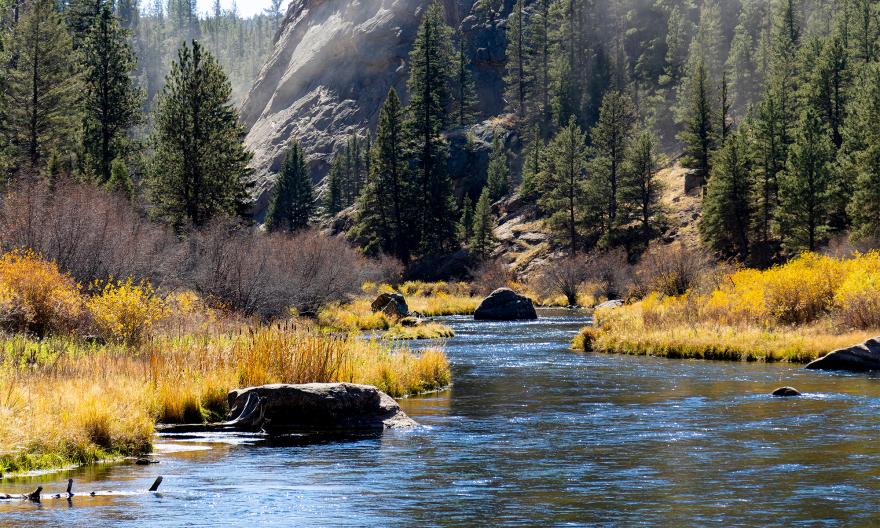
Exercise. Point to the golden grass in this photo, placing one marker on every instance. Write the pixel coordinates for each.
(422, 331)
(794, 312)
(63, 401)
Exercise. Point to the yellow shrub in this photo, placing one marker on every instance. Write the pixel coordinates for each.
(36, 296)
(126, 311)
(858, 299)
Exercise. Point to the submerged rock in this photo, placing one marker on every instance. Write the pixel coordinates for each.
(391, 304)
(505, 304)
(786, 391)
(857, 358)
(315, 407)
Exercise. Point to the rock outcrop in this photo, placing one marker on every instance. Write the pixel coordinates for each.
(858, 358)
(505, 304)
(391, 304)
(314, 407)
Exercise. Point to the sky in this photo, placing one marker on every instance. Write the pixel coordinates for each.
(246, 8)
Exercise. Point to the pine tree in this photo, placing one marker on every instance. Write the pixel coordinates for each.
(428, 84)
(538, 59)
(566, 194)
(293, 201)
(387, 216)
(805, 185)
(120, 180)
(199, 166)
(532, 166)
(641, 189)
(727, 210)
(465, 99)
(698, 135)
(861, 154)
(80, 16)
(482, 240)
(498, 173)
(741, 64)
(724, 124)
(516, 77)
(827, 85)
(333, 199)
(466, 223)
(42, 88)
(111, 104)
(611, 138)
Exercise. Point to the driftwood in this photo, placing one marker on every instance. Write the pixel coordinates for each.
(36, 495)
(248, 417)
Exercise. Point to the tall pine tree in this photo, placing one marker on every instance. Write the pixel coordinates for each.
(566, 186)
(727, 208)
(293, 201)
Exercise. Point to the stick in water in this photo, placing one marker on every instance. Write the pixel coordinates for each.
(156, 483)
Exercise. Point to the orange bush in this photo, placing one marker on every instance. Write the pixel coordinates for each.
(35, 296)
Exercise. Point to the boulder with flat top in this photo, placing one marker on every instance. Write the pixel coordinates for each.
(505, 304)
(314, 407)
(857, 358)
(391, 304)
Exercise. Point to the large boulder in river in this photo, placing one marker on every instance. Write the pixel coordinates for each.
(857, 358)
(315, 407)
(505, 304)
(391, 304)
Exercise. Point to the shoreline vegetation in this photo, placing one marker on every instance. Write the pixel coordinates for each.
(87, 373)
(795, 312)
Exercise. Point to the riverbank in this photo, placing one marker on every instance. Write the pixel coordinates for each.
(796, 312)
(85, 376)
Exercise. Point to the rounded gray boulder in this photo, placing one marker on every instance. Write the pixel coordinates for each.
(505, 304)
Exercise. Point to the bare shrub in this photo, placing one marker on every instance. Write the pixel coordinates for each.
(491, 275)
(91, 234)
(610, 273)
(565, 276)
(267, 274)
(672, 269)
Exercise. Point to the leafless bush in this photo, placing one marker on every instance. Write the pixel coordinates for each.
(90, 233)
(267, 274)
(671, 269)
(610, 273)
(565, 276)
(490, 275)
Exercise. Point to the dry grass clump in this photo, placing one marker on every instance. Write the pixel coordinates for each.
(431, 299)
(794, 312)
(421, 331)
(358, 316)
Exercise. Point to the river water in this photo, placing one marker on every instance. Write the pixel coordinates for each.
(531, 433)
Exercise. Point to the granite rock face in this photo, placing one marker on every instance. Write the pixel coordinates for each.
(330, 71)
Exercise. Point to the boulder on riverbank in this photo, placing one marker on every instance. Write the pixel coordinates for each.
(611, 303)
(505, 304)
(314, 407)
(857, 358)
(392, 304)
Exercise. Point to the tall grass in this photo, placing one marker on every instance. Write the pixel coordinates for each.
(793, 312)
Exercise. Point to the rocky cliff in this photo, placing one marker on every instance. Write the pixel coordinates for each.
(332, 66)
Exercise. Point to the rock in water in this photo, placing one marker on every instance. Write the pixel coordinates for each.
(505, 304)
(612, 303)
(391, 304)
(857, 358)
(786, 391)
(319, 407)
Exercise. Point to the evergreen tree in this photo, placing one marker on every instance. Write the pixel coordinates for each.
(724, 123)
(293, 200)
(199, 166)
(465, 98)
(516, 77)
(482, 240)
(42, 88)
(387, 216)
(611, 138)
(827, 85)
(428, 84)
(498, 173)
(566, 193)
(698, 135)
(861, 154)
(111, 104)
(120, 180)
(333, 199)
(80, 16)
(641, 190)
(532, 166)
(466, 223)
(805, 186)
(538, 59)
(727, 210)
(741, 64)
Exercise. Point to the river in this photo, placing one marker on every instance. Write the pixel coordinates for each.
(531, 433)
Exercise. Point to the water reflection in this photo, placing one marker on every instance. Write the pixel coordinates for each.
(531, 433)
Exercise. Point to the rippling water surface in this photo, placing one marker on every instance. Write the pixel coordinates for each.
(531, 433)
